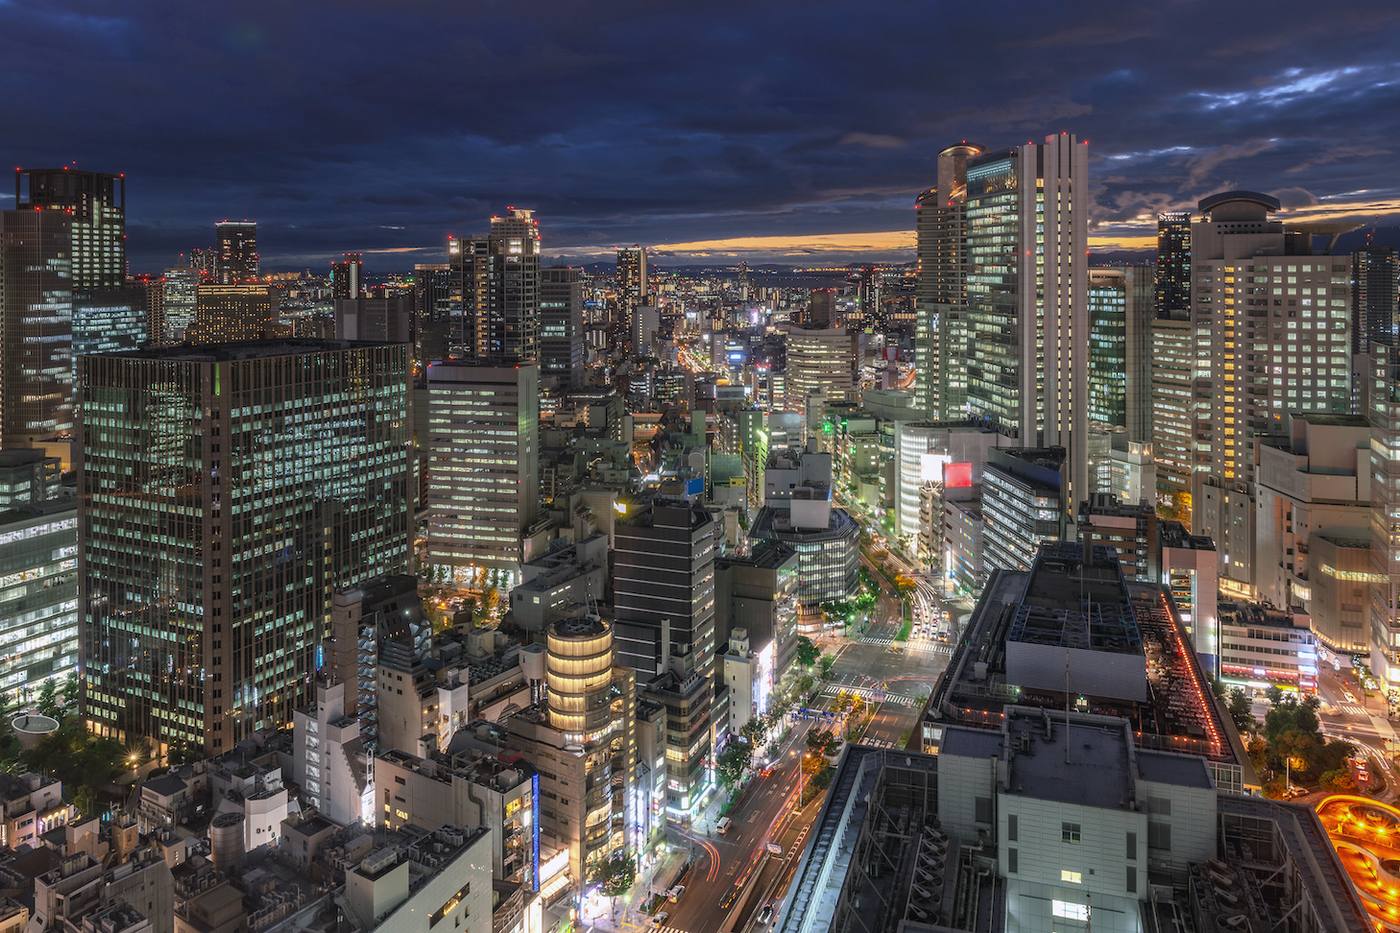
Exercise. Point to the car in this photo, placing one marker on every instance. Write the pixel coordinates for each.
(723, 825)
(765, 915)
(674, 895)
(660, 919)
(766, 772)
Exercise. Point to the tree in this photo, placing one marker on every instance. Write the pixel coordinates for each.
(48, 699)
(617, 874)
(807, 652)
(755, 730)
(828, 662)
(733, 762)
(1276, 695)
(1242, 711)
(68, 696)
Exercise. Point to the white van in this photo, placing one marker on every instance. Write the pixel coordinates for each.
(723, 825)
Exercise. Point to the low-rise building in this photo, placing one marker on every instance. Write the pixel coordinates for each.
(470, 788)
(329, 760)
(31, 804)
(418, 882)
(563, 582)
(1261, 646)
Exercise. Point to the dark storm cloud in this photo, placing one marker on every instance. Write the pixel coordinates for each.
(357, 125)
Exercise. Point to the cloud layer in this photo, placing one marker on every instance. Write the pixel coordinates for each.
(773, 130)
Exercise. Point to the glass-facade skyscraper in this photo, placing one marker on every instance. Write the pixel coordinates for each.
(1172, 281)
(228, 492)
(95, 202)
(1027, 284)
(236, 254)
(36, 313)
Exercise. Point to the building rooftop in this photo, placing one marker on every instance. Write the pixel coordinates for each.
(1176, 711)
(1077, 601)
(244, 350)
(1086, 764)
(1166, 768)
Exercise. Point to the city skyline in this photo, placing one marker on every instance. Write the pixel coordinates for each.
(809, 150)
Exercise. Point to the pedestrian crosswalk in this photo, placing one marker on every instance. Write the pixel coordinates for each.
(1351, 709)
(868, 693)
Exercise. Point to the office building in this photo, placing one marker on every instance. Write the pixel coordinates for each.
(95, 203)
(1022, 505)
(236, 251)
(940, 335)
(1073, 620)
(1262, 646)
(1340, 591)
(1315, 479)
(28, 476)
(298, 452)
(483, 442)
(797, 511)
(416, 882)
(1120, 351)
(758, 593)
(567, 581)
(178, 298)
(561, 325)
(633, 290)
(1172, 276)
(38, 576)
(227, 313)
(36, 312)
(868, 315)
(385, 319)
(468, 788)
(581, 739)
(1027, 330)
(1272, 329)
(819, 363)
(108, 321)
(1173, 404)
(664, 602)
(1061, 823)
(432, 300)
(496, 278)
(1375, 275)
(1383, 394)
(348, 277)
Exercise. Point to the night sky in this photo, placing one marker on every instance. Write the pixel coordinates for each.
(384, 126)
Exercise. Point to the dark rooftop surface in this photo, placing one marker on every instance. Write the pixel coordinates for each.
(245, 350)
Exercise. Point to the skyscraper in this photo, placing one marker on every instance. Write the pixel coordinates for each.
(224, 313)
(664, 602)
(1272, 326)
(178, 302)
(1120, 350)
(1173, 403)
(941, 288)
(236, 256)
(36, 314)
(561, 325)
(1027, 315)
(229, 492)
(1172, 281)
(498, 279)
(483, 443)
(632, 290)
(1375, 278)
(1383, 395)
(432, 289)
(96, 204)
(868, 317)
(819, 359)
(347, 277)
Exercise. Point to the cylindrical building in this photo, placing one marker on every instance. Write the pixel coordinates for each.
(579, 661)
